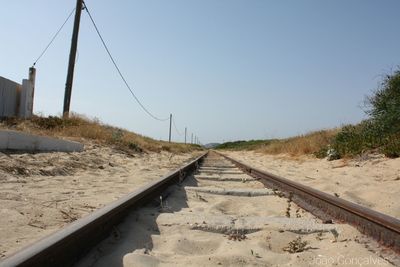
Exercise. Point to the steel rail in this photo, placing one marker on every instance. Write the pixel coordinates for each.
(383, 228)
(68, 245)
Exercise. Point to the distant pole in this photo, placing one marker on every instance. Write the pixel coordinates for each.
(72, 57)
(185, 134)
(170, 124)
(191, 140)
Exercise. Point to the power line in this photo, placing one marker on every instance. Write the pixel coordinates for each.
(118, 70)
(176, 128)
(54, 37)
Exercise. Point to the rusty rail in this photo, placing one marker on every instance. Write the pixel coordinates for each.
(381, 227)
(68, 245)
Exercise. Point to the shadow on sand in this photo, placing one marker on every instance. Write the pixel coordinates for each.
(137, 229)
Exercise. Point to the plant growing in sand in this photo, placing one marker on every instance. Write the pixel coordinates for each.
(296, 246)
(381, 130)
(80, 128)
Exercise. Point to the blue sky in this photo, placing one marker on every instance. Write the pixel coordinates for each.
(226, 69)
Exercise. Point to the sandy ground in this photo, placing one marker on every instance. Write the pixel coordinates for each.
(372, 181)
(40, 193)
(207, 229)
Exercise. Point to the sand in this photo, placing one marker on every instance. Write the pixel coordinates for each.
(41, 193)
(372, 180)
(199, 228)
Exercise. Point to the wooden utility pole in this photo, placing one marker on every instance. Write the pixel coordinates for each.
(185, 134)
(170, 124)
(72, 57)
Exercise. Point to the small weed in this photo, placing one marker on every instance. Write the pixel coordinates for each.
(135, 147)
(320, 154)
(298, 215)
(289, 201)
(296, 246)
(237, 236)
(255, 254)
(335, 235)
(319, 236)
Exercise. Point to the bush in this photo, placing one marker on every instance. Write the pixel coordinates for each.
(384, 104)
(355, 139)
(320, 154)
(382, 129)
(391, 147)
(135, 147)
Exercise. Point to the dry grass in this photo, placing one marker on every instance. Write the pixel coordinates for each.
(80, 128)
(301, 145)
(312, 143)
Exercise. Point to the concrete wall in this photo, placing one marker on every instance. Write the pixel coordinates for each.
(12, 140)
(16, 100)
(9, 97)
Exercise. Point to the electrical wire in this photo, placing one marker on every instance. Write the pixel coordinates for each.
(54, 37)
(176, 128)
(119, 71)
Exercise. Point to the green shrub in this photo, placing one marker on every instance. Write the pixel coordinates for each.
(320, 154)
(391, 148)
(349, 141)
(382, 129)
(135, 147)
(384, 104)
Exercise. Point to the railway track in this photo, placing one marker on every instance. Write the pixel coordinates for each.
(220, 215)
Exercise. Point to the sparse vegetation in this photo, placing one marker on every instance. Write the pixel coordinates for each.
(80, 128)
(296, 246)
(244, 145)
(380, 132)
(305, 144)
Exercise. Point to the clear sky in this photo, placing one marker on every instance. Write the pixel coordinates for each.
(226, 69)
